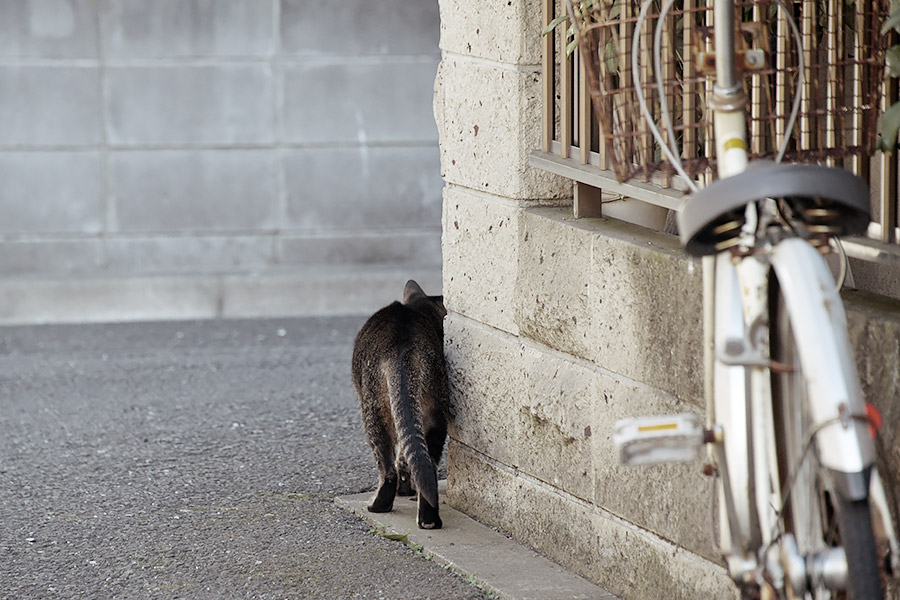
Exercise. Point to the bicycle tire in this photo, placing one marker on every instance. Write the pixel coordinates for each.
(813, 513)
(858, 539)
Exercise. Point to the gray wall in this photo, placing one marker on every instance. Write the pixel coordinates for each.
(147, 138)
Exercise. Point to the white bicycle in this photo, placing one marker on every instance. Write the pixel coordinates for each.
(787, 426)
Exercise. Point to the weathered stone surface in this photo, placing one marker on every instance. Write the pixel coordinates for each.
(615, 293)
(506, 32)
(486, 388)
(637, 565)
(556, 445)
(672, 501)
(479, 488)
(874, 327)
(488, 119)
(883, 279)
(554, 276)
(556, 525)
(480, 243)
(646, 308)
(552, 417)
(628, 560)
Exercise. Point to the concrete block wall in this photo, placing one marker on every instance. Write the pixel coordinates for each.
(160, 143)
(558, 327)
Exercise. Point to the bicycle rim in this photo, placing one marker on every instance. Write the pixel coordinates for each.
(812, 511)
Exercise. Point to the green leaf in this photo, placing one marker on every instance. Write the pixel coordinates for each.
(397, 537)
(381, 531)
(554, 24)
(893, 22)
(890, 125)
(571, 47)
(892, 61)
(610, 54)
(615, 11)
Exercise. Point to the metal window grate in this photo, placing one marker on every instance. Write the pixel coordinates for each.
(843, 52)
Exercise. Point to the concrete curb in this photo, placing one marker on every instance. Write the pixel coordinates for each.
(500, 566)
(273, 293)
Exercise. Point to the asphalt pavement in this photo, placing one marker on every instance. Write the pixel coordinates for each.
(191, 460)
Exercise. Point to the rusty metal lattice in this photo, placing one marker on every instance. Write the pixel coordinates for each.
(843, 52)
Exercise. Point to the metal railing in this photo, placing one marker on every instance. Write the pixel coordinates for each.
(844, 92)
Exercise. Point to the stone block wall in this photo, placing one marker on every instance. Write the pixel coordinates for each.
(606, 321)
(558, 327)
(173, 140)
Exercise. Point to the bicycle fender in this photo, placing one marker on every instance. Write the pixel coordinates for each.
(820, 329)
(731, 399)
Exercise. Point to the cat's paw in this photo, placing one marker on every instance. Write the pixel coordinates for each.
(435, 523)
(380, 508)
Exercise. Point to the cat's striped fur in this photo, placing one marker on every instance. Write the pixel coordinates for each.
(401, 380)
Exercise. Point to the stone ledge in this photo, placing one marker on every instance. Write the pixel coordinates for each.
(504, 568)
(626, 559)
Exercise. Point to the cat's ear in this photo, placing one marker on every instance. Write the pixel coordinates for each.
(411, 291)
(439, 302)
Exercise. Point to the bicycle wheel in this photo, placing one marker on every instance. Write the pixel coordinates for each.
(813, 513)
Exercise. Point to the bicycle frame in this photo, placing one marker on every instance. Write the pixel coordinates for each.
(751, 230)
(742, 388)
(737, 303)
(729, 99)
(740, 392)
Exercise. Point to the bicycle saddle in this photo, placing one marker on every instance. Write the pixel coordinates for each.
(825, 200)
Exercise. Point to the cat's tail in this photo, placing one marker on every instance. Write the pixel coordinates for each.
(407, 415)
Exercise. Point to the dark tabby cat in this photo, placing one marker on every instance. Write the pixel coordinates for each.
(401, 380)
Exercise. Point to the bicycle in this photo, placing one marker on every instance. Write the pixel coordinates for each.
(787, 426)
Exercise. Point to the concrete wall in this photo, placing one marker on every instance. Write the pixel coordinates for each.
(558, 327)
(149, 145)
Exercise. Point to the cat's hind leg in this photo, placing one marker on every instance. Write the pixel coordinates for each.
(428, 517)
(383, 450)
